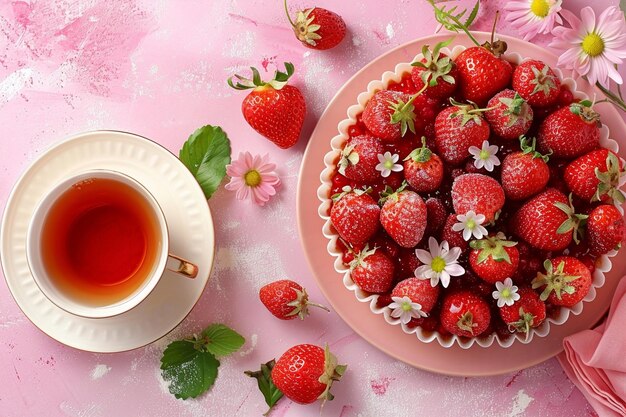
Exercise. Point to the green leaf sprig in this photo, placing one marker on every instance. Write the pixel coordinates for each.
(453, 21)
(190, 365)
(270, 392)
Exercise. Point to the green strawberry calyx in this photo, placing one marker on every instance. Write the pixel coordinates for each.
(348, 158)
(494, 247)
(389, 193)
(584, 110)
(468, 111)
(543, 81)
(301, 304)
(435, 66)
(610, 180)
(529, 149)
(525, 322)
(516, 109)
(332, 372)
(466, 322)
(421, 154)
(347, 190)
(574, 221)
(279, 81)
(360, 257)
(554, 280)
(303, 27)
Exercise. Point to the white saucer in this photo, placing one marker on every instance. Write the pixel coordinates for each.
(190, 227)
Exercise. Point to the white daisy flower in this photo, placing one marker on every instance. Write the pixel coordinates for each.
(405, 309)
(439, 263)
(506, 293)
(470, 223)
(388, 164)
(485, 157)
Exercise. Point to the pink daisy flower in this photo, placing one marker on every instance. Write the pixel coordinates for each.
(253, 177)
(593, 46)
(531, 17)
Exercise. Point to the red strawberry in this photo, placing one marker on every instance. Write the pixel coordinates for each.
(454, 238)
(355, 215)
(305, 373)
(456, 129)
(437, 71)
(286, 299)
(464, 313)
(570, 131)
(389, 114)
(419, 291)
(565, 282)
(372, 270)
(482, 73)
(509, 116)
(318, 28)
(436, 215)
(494, 258)
(274, 109)
(526, 313)
(359, 158)
(596, 176)
(605, 229)
(524, 173)
(423, 169)
(403, 216)
(479, 193)
(547, 221)
(537, 83)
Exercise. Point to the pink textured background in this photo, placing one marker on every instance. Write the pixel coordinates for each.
(158, 68)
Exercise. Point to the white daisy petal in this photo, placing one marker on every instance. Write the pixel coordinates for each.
(467, 234)
(424, 256)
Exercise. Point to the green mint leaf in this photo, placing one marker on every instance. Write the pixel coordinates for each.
(264, 380)
(189, 371)
(206, 154)
(472, 16)
(222, 340)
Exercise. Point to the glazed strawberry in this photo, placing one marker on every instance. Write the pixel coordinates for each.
(524, 173)
(565, 282)
(389, 115)
(359, 158)
(596, 176)
(305, 373)
(403, 216)
(372, 270)
(318, 28)
(456, 129)
(570, 131)
(509, 115)
(537, 83)
(547, 221)
(286, 300)
(274, 109)
(605, 229)
(526, 313)
(465, 314)
(479, 193)
(419, 291)
(482, 73)
(453, 237)
(494, 258)
(436, 215)
(435, 70)
(355, 216)
(423, 169)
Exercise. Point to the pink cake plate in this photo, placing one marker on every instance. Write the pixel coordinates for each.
(476, 361)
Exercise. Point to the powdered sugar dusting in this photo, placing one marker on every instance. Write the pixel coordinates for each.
(521, 401)
(99, 371)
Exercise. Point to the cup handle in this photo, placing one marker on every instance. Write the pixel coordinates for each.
(185, 268)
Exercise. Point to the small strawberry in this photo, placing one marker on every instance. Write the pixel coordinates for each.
(526, 313)
(570, 131)
(305, 373)
(456, 129)
(479, 193)
(482, 73)
(419, 291)
(423, 169)
(509, 115)
(453, 237)
(547, 221)
(355, 216)
(565, 282)
(389, 115)
(436, 215)
(605, 229)
(286, 300)
(403, 216)
(537, 83)
(274, 109)
(372, 270)
(596, 176)
(318, 28)
(494, 258)
(435, 70)
(465, 314)
(359, 158)
(524, 173)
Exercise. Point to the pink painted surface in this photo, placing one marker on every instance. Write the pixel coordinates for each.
(157, 68)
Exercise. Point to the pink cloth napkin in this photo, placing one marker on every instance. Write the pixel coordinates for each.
(595, 360)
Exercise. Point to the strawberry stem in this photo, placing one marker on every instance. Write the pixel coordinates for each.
(493, 29)
(611, 97)
(288, 16)
(453, 22)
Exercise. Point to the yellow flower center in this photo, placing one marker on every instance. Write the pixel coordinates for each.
(593, 45)
(406, 306)
(484, 154)
(252, 178)
(506, 293)
(388, 164)
(438, 264)
(470, 224)
(540, 8)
